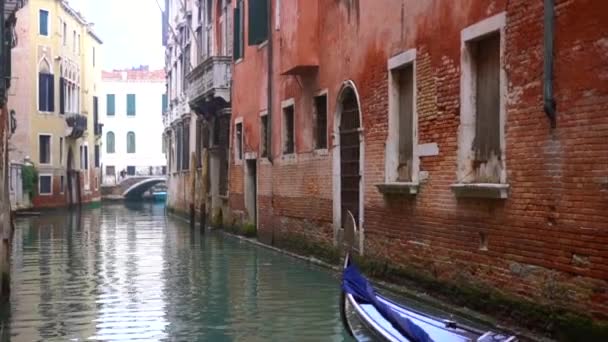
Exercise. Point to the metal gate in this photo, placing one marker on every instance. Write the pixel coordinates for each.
(350, 155)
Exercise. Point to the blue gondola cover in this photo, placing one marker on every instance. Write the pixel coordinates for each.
(363, 292)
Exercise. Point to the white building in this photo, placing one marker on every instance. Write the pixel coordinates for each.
(131, 109)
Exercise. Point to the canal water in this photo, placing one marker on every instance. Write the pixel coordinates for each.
(128, 273)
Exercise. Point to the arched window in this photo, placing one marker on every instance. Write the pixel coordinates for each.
(130, 142)
(46, 87)
(110, 142)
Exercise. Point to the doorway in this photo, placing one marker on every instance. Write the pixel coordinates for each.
(251, 190)
(350, 156)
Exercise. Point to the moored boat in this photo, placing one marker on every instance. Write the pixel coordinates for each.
(387, 320)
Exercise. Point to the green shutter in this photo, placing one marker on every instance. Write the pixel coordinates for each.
(236, 51)
(130, 104)
(258, 21)
(164, 103)
(111, 104)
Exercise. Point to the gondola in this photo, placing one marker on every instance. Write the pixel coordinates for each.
(386, 320)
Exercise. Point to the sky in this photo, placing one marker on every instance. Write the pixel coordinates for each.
(130, 31)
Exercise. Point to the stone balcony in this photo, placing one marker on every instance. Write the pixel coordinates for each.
(77, 125)
(209, 85)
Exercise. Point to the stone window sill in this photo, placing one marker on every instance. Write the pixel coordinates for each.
(481, 190)
(399, 188)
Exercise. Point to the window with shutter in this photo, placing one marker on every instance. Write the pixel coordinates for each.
(131, 104)
(238, 38)
(46, 92)
(130, 142)
(44, 23)
(61, 95)
(110, 142)
(111, 104)
(258, 22)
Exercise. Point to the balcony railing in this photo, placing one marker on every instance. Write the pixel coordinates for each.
(77, 125)
(210, 80)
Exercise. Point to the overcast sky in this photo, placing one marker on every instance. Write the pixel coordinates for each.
(130, 31)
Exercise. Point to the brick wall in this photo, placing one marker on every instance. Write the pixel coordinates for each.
(547, 241)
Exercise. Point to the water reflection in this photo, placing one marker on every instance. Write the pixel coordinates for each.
(130, 273)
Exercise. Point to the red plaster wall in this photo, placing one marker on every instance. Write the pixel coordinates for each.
(547, 241)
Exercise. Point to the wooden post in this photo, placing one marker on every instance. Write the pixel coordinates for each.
(203, 189)
(193, 167)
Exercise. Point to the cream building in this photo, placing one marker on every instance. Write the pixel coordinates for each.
(56, 80)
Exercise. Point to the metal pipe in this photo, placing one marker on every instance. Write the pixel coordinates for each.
(550, 106)
(269, 90)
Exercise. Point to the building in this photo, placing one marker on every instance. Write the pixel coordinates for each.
(57, 129)
(469, 148)
(8, 41)
(198, 39)
(131, 114)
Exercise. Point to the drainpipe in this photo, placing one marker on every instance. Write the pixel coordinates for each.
(269, 90)
(269, 108)
(548, 95)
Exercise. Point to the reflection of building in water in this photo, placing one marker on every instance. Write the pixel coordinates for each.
(56, 293)
(130, 287)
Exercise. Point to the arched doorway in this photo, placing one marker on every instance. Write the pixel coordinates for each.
(348, 160)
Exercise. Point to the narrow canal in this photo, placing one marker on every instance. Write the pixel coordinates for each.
(122, 273)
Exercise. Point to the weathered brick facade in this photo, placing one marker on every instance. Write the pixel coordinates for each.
(547, 242)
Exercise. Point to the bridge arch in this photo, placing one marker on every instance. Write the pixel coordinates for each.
(136, 190)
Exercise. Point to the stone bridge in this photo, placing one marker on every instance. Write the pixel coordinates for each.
(132, 187)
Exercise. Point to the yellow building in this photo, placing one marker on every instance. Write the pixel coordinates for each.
(57, 73)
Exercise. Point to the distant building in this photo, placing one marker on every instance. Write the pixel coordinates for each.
(55, 98)
(198, 41)
(131, 112)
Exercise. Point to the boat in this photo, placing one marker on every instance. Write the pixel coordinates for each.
(385, 320)
(159, 196)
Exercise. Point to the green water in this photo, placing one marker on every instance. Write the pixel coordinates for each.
(120, 273)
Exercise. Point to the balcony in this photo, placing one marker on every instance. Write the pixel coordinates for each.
(209, 85)
(77, 125)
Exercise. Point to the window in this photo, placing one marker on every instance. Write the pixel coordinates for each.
(93, 56)
(186, 147)
(130, 142)
(483, 85)
(320, 106)
(78, 44)
(46, 88)
(110, 141)
(44, 149)
(131, 170)
(164, 103)
(62, 184)
(111, 104)
(178, 147)
(288, 130)
(96, 125)
(258, 21)
(96, 155)
(74, 41)
(130, 104)
(44, 22)
(84, 157)
(64, 33)
(45, 185)
(238, 39)
(60, 150)
(264, 136)
(239, 140)
(110, 170)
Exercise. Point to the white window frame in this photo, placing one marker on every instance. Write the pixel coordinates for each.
(466, 134)
(40, 193)
(237, 159)
(284, 104)
(48, 22)
(50, 148)
(404, 59)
